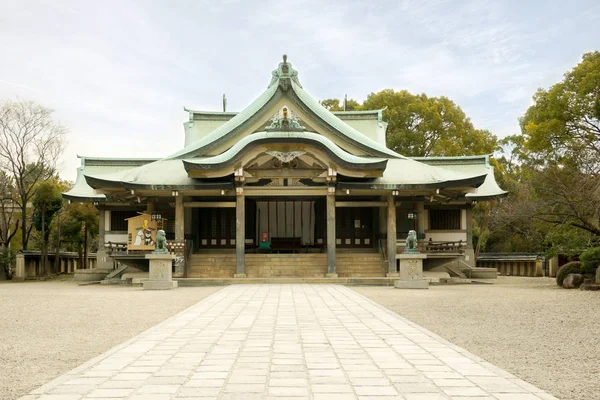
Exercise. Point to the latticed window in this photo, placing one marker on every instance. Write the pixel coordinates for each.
(444, 219)
(118, 219)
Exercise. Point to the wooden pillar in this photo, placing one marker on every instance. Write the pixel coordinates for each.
(240, 234)
(179, 219)
(391, 235)
(331, 268)
(102, 260)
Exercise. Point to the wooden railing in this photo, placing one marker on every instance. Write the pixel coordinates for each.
(115, 247)
(443, 247)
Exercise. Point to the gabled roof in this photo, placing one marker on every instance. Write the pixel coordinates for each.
(392, 171)
(284, 82)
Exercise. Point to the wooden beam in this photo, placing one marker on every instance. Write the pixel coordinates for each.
(179, 219)
(240, 235)
(361, 204)
(331, 268)
(209, 204)
(391, 234)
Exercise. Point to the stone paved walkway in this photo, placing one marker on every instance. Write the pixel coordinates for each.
(287, 341)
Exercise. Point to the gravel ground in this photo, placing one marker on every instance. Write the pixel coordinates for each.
(49, 328)
(528, 326)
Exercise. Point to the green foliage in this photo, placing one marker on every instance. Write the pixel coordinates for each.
(47, 200)
(564, 121)
(551, 170)
(419, 125)
(423, 126)
(337, 105)
(573, 267)
(76, 217)
(590, 260)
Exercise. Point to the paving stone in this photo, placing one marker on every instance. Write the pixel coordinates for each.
(110, 393)
(288, 341)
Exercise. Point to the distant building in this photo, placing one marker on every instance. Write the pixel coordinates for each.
(287, 175)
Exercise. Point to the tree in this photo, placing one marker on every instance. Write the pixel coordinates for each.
(420, 126)
(8, 224)
(564, 121)
(79, 222)
(337, 105)
(30, 144)
(561, 149)
(47, 201)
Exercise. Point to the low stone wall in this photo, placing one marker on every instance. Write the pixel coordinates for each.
(513, 264)
(28, 263)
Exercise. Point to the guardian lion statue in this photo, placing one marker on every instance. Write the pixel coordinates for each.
(161, 242)
(411, 242)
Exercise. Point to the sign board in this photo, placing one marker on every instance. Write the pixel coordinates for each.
(141, 232)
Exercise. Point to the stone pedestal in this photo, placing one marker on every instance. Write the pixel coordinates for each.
(160, 276)
(411, 272)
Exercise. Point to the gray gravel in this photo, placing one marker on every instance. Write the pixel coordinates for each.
(49, 328)
(545, 335)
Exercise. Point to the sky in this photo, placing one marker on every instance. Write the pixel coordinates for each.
(118, 73)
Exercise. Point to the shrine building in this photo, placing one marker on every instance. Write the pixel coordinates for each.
(285, 188)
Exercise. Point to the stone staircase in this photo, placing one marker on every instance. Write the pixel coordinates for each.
(297, 265)
(217, 265)
(359, 265)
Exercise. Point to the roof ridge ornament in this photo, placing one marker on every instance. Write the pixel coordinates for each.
(285, 74)
(289, 122)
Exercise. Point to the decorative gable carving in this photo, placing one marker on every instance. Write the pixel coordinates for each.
(285, 120)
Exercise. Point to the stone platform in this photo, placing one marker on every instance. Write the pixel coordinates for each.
(287, 341)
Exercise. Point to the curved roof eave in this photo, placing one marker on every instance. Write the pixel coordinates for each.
(235, 152)
(347, 132)
(98, 182)
(99, 198)
(469, 182)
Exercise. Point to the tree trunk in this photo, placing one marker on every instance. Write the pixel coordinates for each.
(57, 255)
(24, 234)
(79, 254)
(45, 269)
(85, 246)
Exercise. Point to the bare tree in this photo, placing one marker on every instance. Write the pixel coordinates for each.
(8, 224)
(30, 144)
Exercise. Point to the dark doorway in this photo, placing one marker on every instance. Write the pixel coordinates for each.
(354, 227)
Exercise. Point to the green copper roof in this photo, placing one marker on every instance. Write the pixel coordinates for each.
(285, 79)
(228, 127)
(81, 191)
(399, 172)
(159, 175)
(469, 164)
(288, 137)
(410, 174)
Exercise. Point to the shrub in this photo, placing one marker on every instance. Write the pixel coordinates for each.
(590, 260)
(573, 267)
